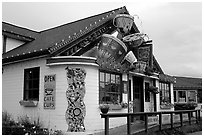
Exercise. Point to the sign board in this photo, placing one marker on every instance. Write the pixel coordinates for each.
(49, 91)
(152, 120)
(145, 54)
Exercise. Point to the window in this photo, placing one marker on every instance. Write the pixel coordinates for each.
(175, 96)
(192, 96)
(147, 93)
(165, 94)
(181, 96)
(110, 88)
(199, 95)
(31, 83)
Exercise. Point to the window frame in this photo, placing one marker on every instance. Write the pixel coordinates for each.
(178, 100)
(163, 89)
(110, 82)
(147, 92)
(29, 87)
(188, 93)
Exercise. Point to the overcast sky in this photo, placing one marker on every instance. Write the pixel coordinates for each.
(175, 28)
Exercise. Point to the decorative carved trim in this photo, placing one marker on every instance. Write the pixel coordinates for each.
(75, 93)
(82, 45)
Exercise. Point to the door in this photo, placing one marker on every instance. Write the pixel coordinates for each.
(138, 97)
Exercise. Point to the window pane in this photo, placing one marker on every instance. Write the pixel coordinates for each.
(113, 78)
(30, 84)
(35, 73)
(35, 83)
(113, 88)
(117, 88)
(101, 76)
(167, 87)
(107, 77)
(192, 96)
(102, 86)
(118, 79)
(35, 94)
(26, 75)
(174, 96)
(102, 91)
(181, 96)
(107, 87)
(147, 94)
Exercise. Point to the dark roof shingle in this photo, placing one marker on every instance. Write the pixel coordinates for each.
(10, 28)
(188, 83)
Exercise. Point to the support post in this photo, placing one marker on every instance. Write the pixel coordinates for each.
(196, 114)
(146, 123)
(107, 125)
(172, 121)
(128, 124)
(199, 114)
(181, 118)
(160, 121)
(189, 117)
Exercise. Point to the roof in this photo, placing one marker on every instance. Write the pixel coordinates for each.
(188, 83)
(13, 29)
(54, 38)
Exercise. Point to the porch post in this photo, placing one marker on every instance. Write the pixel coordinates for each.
(107, 125)
(181, 118)
(128, 124)
(160, 121)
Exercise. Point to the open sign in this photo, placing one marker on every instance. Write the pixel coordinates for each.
(49, 91)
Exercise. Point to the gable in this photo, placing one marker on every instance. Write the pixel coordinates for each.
(11, 43)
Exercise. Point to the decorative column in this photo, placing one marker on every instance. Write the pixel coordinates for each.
(75, 93)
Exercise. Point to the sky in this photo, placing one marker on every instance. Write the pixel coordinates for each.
(174, 27)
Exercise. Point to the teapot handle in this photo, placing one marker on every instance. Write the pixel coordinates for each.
(114, 22)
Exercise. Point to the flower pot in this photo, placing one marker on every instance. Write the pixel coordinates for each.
(124, 22)
(104, 110)
(135, 39)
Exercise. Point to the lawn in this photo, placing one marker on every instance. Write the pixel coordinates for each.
(166, 130)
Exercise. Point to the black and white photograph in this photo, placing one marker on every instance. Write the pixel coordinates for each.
(101, 67)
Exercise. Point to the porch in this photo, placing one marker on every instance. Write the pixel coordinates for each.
(177, 118)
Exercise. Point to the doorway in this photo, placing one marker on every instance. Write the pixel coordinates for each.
(138, 96)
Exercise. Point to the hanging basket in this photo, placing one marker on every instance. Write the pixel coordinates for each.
(153, 89)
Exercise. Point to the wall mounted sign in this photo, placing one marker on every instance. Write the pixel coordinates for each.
(145, 54)
(75, 93)
(49, 91)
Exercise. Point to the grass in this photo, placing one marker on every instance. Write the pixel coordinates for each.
(166, 130)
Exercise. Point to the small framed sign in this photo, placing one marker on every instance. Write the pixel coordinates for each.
(49, 91)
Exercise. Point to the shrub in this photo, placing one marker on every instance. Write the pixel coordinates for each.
(24, 126)
(7, 119)
(187, 106)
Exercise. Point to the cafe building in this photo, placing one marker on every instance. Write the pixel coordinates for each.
(64, 74)
(188, 90)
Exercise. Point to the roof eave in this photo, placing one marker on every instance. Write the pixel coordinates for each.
(24, 57)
